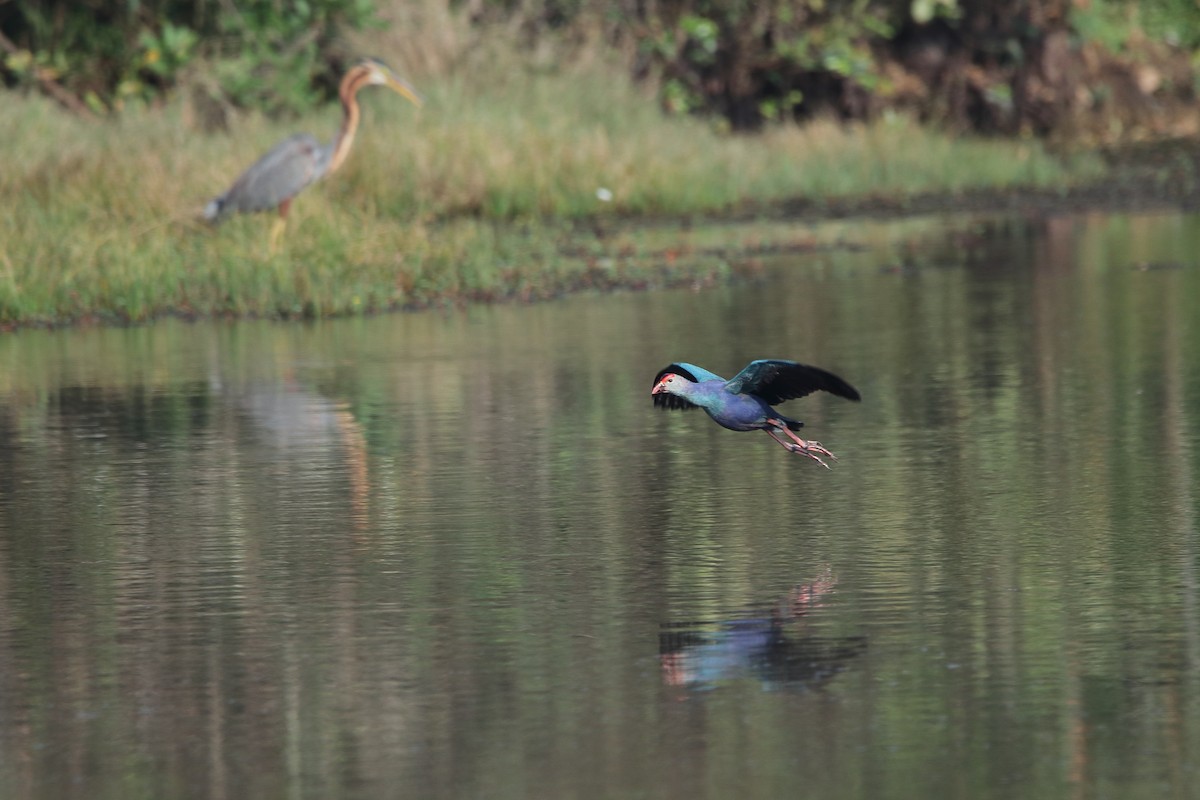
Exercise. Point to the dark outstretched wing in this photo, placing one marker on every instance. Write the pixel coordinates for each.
(775, 380)
(692, 373)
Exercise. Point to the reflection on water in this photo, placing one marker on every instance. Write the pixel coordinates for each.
(767, 646)
(443, 555)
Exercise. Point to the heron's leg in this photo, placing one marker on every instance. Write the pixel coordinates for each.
(280, 224)
(813, 450)
(277, 228)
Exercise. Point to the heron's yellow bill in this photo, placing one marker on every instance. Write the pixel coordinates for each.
(404, 90)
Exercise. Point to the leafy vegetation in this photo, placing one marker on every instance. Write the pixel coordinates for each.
(995, 66)
(269, 55)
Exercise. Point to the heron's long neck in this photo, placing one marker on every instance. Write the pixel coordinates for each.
(350, 114)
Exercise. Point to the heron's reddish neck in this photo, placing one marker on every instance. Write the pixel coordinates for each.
(355, 79)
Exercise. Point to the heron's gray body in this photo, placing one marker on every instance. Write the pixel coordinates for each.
(278, 176)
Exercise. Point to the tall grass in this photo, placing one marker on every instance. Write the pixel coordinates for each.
(101, 220)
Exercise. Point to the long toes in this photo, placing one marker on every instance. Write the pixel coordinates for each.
(817, 447)
(816, 458)
(814, 451)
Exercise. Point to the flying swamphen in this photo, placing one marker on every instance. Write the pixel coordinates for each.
(744, 402)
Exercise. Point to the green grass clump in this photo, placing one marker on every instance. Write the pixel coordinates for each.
(471, 197)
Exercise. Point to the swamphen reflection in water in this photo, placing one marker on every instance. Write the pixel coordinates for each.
(771, 646)
(744, 402)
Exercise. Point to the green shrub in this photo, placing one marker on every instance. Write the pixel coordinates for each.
(274, 55)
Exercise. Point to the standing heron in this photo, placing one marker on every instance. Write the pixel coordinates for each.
(294, 163)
